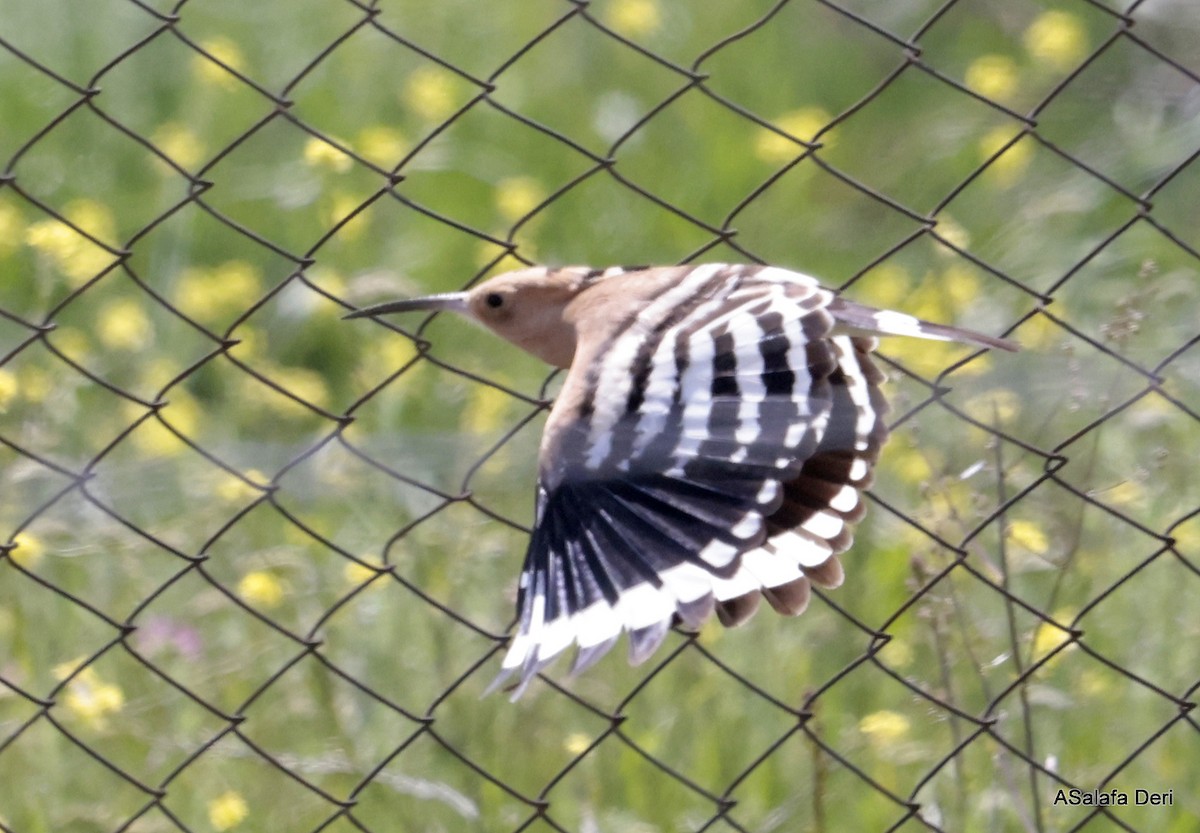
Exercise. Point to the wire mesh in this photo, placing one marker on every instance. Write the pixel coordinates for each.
(258, 563)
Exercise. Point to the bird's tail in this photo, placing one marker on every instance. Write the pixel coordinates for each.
(856, 319)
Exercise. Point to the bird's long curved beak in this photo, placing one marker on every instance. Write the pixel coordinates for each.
(452, 301)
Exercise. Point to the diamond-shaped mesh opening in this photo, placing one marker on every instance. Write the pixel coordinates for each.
(89, 791)
(294, 214)
(1028, 189)
(860, 229)
(75, 48)
(1141, 133)
(474, 44)
(258, 565)
(232, 33)
(37, 95)
(113, 567)
(198, 110)
(445, 648)
(212, 789)
(67, 168)
(459, 794)
(580, 52)
(66, 250)
(611, 767)
(807, 86)
(949, 157)
(631, 218)
(120, 320)
(402, 113)
(1133, 278)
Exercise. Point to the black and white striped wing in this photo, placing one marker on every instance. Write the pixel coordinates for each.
(710, 453)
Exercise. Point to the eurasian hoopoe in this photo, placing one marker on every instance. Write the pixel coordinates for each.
(708, 447)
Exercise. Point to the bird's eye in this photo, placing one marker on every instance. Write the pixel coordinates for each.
(494, 300)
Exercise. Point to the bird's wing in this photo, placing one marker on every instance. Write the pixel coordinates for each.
(708, 447)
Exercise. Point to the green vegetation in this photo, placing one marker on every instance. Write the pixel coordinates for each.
(232, 598)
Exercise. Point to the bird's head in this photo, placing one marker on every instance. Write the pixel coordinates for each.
(527, 307)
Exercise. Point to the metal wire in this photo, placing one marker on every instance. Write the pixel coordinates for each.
(952, 566)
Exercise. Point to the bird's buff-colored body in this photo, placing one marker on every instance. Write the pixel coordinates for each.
(708, 448)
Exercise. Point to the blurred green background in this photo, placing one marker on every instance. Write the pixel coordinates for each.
(258, 562)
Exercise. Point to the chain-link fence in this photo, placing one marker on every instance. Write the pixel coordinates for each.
(258, 564)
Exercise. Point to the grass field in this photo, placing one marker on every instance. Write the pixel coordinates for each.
(257, 563)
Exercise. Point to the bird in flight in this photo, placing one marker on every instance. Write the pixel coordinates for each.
(708, 448)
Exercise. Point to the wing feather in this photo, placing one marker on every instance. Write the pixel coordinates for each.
(704, 453)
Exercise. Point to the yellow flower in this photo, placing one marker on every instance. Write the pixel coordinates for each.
(123, 325)
(34, 383)
(485, 412)
(229, 288)
(635, 17)
(1039, 332)
(1057, 39)
(954, 234)
(1092, 683)
(890, 285)
(236, 282)
(51, 237)
(993, 76)
(1049, 637)
(66, 669)
(804, 124)
(1029, 535)
(897, 653)
(1124, 493)
(251, 342)
(28, 551)
(74, 255)
(153, 438)
(356, 574)
(977, 366)
(884, 727)
(960, 284)
(225, 51)
(93, 217)
(227, 810)
(911, 466)
(320, 154)
(88, 696)
(386, 357)
(236, 490)
(179, 143)
(382, 145)
(343, 206)
(157, 372)
(1009, 166)
(517, 196)
(711, 632)
(577, 743)
(8, 388)
(328, 279)
(995, 407)
(305, 384)
(261, 588)
(929, 304)
(181, 411)
(429, 92)
(1187, 538)
(71, 343)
